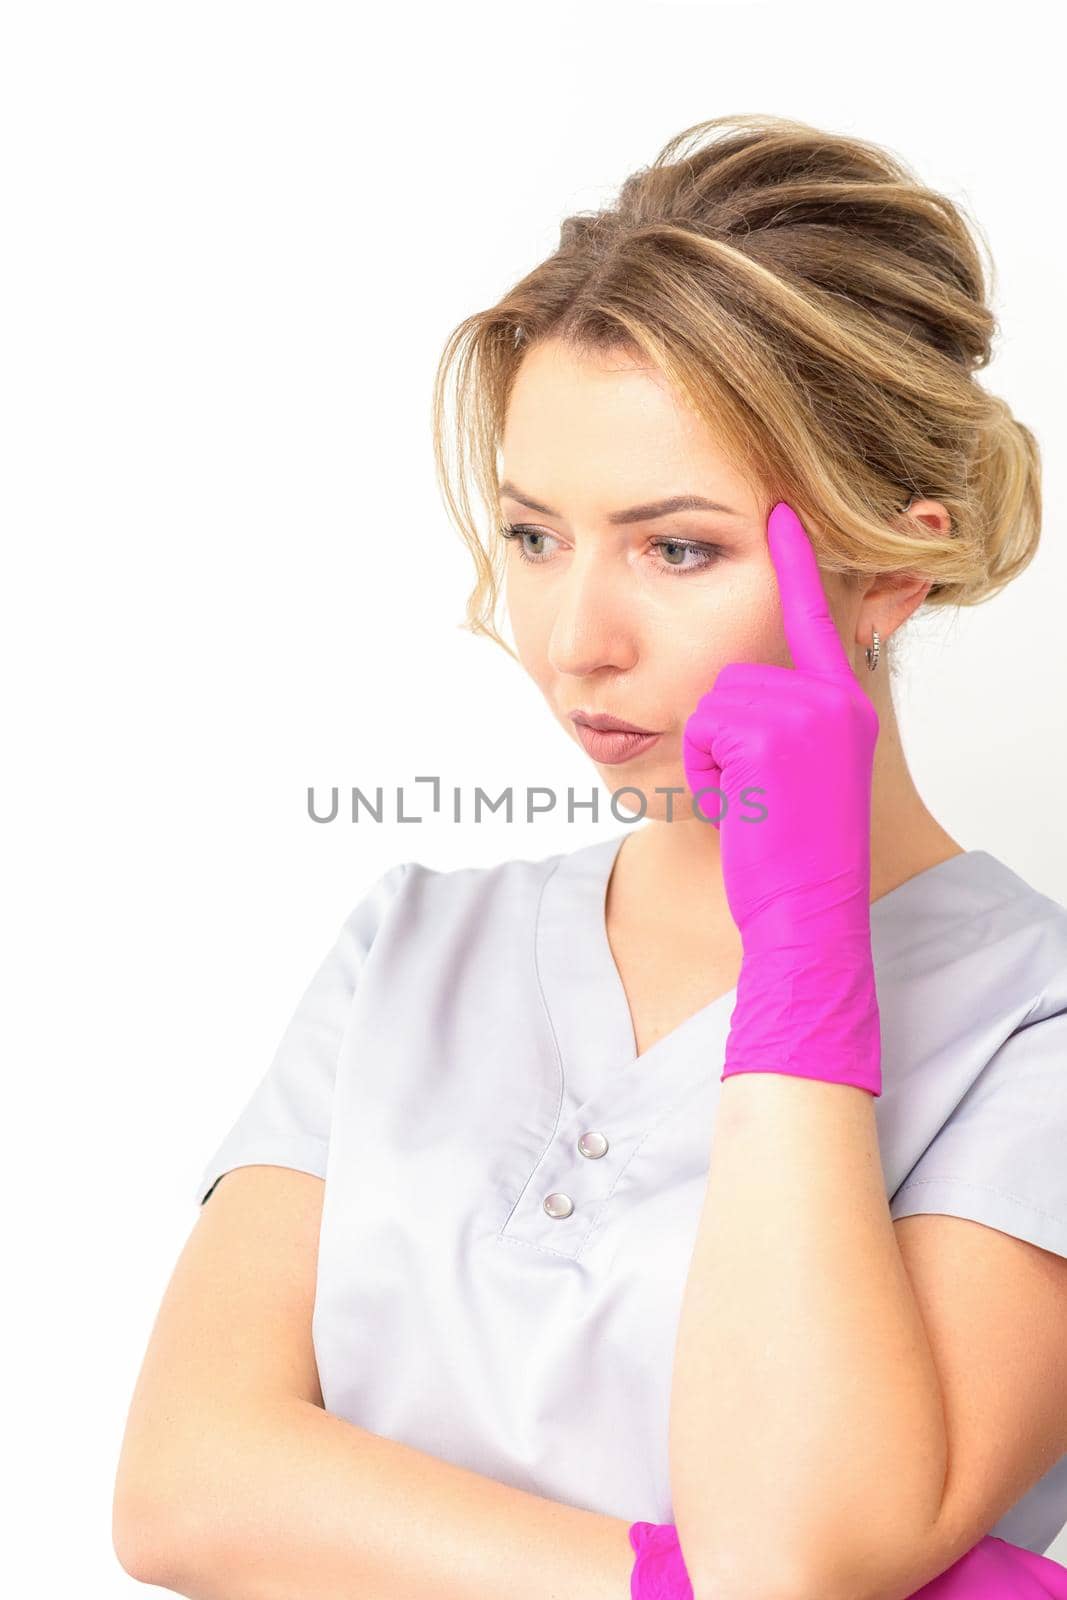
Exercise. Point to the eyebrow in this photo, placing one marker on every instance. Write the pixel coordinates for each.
(644, 513)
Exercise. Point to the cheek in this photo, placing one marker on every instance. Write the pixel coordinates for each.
(740, 623)
(530, 629)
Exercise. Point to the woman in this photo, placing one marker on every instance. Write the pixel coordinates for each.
(534, 1263)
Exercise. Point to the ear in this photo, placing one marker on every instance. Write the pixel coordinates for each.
(887, 602)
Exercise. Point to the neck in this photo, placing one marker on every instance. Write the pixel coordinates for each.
(905, 836)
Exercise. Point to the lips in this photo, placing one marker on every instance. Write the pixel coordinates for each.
(608, 746)
(606, 724)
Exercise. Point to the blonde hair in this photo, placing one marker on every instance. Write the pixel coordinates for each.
(822, 310)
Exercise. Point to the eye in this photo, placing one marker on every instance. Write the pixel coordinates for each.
(709, 554)
(520, 535)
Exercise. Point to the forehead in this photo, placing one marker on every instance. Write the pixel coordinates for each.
(572, 416)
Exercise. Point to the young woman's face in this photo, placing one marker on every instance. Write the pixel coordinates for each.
(631, 619)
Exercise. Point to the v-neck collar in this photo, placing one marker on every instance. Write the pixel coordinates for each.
(590, 1015)
(584, 988)
(613, 977)
(607, 1089)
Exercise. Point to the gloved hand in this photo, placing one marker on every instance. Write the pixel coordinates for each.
(797, 879)
(992, 1569)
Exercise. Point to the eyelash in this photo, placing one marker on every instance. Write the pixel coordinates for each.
(518, 532)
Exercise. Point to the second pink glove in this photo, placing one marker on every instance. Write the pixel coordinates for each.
(993, 1569)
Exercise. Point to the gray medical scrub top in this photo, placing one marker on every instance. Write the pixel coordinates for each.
(512, 1194)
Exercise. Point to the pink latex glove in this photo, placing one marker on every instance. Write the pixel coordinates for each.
(798, 880)
(992, 1569)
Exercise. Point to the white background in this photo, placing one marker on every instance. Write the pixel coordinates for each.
(235, 239)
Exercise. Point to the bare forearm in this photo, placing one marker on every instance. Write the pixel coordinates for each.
(806, 1414)
(295, 1501)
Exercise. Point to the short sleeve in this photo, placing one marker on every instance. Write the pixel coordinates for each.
(1001, 1158)
(286, 1121)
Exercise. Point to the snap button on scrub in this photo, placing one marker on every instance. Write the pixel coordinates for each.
(559, 1205)
(592, 1145)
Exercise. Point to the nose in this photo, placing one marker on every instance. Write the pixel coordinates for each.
(593, 625)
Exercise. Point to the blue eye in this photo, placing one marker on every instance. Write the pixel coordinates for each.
(710, 553)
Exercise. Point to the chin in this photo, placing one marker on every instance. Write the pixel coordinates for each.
(637, 775)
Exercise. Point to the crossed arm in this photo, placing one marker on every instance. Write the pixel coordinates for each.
(933, 1387)
(234, 1484)
(880, 1393)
